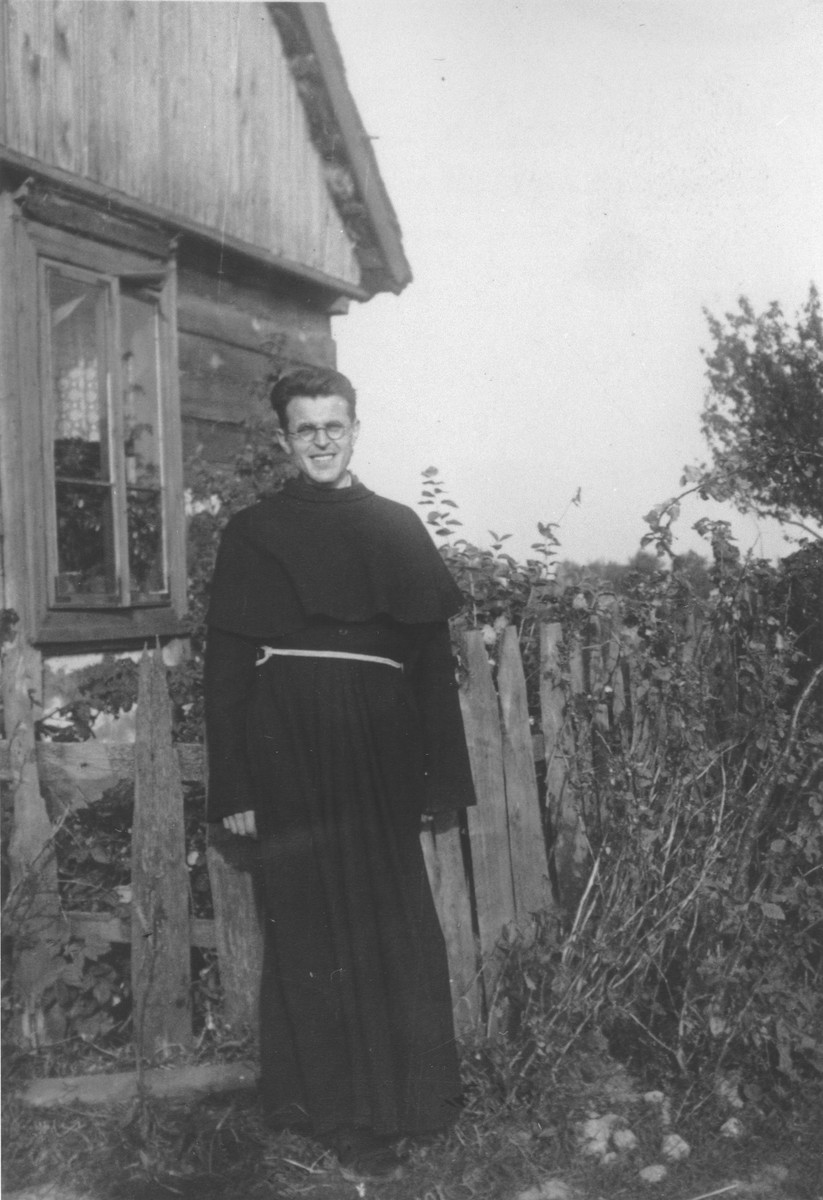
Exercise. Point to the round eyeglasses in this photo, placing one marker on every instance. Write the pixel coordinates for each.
(334, 430)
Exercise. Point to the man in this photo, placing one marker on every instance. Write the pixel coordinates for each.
(333, 723)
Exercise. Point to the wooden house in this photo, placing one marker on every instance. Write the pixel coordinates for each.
(187, 194)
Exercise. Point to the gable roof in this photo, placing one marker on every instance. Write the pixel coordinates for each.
(352, 172)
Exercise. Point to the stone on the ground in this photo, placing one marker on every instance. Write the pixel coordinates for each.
(624, 1139)
(776, 1172)
(727, 1090)
(733, 1128)
(659, 1100)
(768, 1183)
(549, 1189)
(675, 1148)
(594, 1135)
(655, 1173)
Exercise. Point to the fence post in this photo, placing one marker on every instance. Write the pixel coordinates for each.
(32, 910)
(605, 701)
(443, 855)
(527, 844)
(570, 849)
(238, 929)
(488, 829)
(160, 953)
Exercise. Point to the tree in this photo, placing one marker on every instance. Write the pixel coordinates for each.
(763, 414)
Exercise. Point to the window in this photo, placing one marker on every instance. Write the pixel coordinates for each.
(108, 544)
(111, 558)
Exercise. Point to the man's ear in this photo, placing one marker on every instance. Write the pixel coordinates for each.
(283, 441)
(355, 431)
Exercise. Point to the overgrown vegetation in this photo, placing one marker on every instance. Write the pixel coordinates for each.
(695, 943)
(690, 946)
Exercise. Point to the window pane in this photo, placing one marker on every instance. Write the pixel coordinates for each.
(86, 556)
(142, 442)
(77, 311)
(146, 570)
(85, 544)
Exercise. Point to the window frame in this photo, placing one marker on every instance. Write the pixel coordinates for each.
(92, 625)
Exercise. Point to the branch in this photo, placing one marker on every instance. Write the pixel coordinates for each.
(818, 537)
(766, 789)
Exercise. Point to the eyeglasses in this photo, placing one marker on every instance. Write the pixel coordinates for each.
(335, 430)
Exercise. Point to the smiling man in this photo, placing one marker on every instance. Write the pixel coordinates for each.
(318, 433)
(333, 723)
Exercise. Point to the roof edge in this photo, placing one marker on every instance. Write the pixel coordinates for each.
(357, 145)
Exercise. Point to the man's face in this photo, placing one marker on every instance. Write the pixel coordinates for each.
(308, 440)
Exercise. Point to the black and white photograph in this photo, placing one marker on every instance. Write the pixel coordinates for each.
(411, 599)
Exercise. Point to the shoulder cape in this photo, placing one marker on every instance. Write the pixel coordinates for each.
(342, 553)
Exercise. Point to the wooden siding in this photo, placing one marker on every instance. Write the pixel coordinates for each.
(231, 336)
(188, 107)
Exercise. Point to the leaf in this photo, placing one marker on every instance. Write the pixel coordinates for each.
(773, 911)
(102, 991)
(94, 946)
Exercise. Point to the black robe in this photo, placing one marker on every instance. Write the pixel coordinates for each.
(338, 758)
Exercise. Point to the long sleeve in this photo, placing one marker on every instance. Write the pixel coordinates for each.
(228, 679)
(446, 759)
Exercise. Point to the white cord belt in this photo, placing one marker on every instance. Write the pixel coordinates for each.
(265, 653)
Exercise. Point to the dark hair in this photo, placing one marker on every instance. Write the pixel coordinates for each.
(310, 381)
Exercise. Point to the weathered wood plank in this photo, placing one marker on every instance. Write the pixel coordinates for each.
(12, 560)
(488, 832)
(218, 381)
(279, 330)
(214, 441)
(174, 97)
(238, 927)
(530, 869)
(443, 854)
(67, 72)
(133, 106)
(569, 848)
(160, 963)
(122, 1086)
(78, 773)
(612, 655)
(33, 52)
(599, 728)
(51, 207)
(117, 930)
(144, 82)
(22, 450)
(32, 910)
(4, 73)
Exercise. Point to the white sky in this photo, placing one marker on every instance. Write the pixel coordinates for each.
(575, 179)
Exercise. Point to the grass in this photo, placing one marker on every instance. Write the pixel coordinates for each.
(505, 1142)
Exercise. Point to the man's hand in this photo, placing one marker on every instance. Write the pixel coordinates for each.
(243, 824)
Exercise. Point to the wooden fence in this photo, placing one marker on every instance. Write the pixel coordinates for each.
(489, 867)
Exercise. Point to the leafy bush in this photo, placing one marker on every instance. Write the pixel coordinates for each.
(695, 942)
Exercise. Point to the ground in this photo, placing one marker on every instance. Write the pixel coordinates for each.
(219, 1149)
